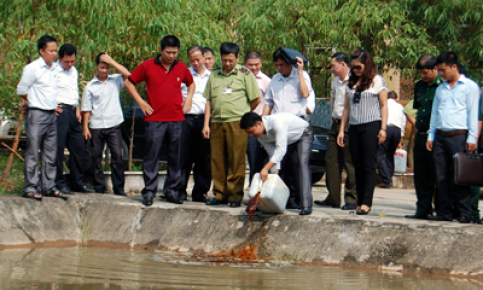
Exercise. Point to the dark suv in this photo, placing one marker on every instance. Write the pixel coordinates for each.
(317, 158)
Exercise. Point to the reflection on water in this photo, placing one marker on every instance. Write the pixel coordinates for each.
(94, 268)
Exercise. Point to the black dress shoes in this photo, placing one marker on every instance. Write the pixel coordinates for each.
(325, 203)
(148, 200)
(291, 205)
(85, 189)
(306, 211)
(235, 204)
(120, 193)
(203, 200)
(349, 206)
(174, 199)
(67, 191)
(417, 217)
(214, 201)
(439, 218)
(465, 220)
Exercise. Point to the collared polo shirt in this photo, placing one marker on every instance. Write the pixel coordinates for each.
(284, 94)
(39, 82)
(102, 99)
(199, 102)
(67, 86)
(423, 102)
(163, 88)
(339, 90)
(281, 130)
(456, 108)
(230, 94)
(368, 108)
(263, 82)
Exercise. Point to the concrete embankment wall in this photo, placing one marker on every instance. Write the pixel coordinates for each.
(384, 243)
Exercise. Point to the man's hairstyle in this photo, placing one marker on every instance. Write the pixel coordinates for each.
(194, 48)
(278, 55)
(369, 69)
(42, 43)
(206, 48)
(427, 61)
(392, 95)
(229, 47)
(171, 41)
(462, 70)
(341, 57)
(67, 49)
(253, 55)
(98, 57)
(450, 58)
(249, 120)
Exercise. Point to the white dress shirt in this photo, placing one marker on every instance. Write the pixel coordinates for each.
(396, 116)
(67, 86)
(102, 99)
(39, 82)
(339, 89)
(284, 95)
(263, 82)
(281, 130)
(199, 102)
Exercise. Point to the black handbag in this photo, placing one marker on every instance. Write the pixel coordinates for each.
(468, 169)
(290, 55)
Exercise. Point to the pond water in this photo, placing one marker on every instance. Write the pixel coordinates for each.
(99, 268)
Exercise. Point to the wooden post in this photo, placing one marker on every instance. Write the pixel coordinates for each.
(8, 169)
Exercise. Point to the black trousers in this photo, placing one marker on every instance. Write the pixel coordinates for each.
(363, 146)
(113, 138)
(69, 135)
(196, 152)
(256, 155)
(155, 133)
(450, 196)
(302, 179)
(385, 154)
(424, 175)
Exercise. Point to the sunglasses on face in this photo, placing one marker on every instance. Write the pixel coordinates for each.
(357, 67)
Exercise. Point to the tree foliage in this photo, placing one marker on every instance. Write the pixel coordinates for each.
(396, 33)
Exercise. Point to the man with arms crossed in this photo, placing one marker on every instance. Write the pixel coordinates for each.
(231, 92)
(197, 148)
(164, 116)
(38, 87)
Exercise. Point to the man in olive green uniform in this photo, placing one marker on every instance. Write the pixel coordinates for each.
(231, 92)
(424, 174)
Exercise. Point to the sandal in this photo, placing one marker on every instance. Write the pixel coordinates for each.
(58, 194)
(32, 195)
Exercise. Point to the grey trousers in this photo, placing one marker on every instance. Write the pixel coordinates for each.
(336, 159)
(41, 129)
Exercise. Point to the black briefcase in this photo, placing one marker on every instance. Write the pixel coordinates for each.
(468, 169)
(290, 55)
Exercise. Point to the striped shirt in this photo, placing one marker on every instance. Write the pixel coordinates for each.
(368, 108)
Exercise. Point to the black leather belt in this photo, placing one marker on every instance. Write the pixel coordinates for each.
(68, 107)
(452, 133)
(200, 116)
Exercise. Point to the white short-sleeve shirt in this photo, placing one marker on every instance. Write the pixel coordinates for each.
(368, 108)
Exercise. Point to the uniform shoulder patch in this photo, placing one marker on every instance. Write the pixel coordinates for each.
(245, 70)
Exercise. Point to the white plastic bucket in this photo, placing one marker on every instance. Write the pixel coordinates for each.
(275, 193)
(400, 161)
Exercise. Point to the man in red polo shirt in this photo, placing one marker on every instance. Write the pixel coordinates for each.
(164, 116)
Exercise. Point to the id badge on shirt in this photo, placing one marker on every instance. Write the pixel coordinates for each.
(227, 91)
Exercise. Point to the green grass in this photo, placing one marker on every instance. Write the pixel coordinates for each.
(15, 182)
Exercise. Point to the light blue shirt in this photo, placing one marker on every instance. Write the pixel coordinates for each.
(102, 99)
(39, 82)
(456, 108)
(281, 130)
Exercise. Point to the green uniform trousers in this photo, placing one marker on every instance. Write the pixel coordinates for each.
(228, 147)
(424, 175)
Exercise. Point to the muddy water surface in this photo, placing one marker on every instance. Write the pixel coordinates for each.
(99, 268)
